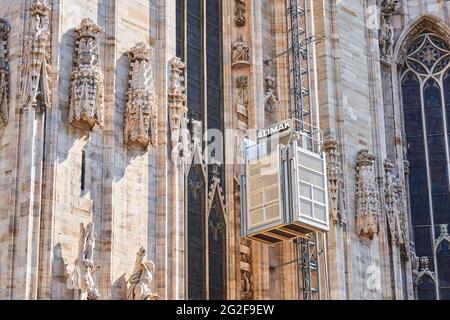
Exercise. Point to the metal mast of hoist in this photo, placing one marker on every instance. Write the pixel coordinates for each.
(298, 61)
(298, 41)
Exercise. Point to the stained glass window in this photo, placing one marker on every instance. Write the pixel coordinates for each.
(426, 114)
(199, 38)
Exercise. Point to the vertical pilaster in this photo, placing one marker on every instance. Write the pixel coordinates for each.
(108, 190)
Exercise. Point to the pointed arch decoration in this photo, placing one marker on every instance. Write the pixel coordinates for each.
(423, 54)
(195, 228)
(423, 24)
(444, 236)
(216, 238)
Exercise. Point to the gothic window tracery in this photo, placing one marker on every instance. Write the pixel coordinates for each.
(206, 231)
(426, 113)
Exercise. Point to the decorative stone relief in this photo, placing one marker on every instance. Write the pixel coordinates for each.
(390, 201)
(195, 142)
(367, 196)
(271, 100)
(36, 80)
(443, 236)
(407, 167)
(241, 53)
(415, 263)
(239, 13)
(400, 207)
(395, 207)
(242, 103)
(177, 109)
(386, 36)
(195, 185)
(4, 73)
(80, 278)
(141, 108)
(215, 184)
(216, 228)
(427, 24)
(141, 279)
(424, 270)
(86, 100)
(246, 270)
(335, 181)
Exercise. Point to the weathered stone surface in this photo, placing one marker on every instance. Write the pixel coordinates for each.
(137, 198)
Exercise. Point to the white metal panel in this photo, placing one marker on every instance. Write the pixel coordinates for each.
(264, 190)
(310, 188)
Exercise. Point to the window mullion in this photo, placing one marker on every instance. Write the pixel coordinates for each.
(430, 186)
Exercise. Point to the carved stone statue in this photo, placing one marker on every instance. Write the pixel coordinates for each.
(424, 270)
(239, 13)
(335, 181)
(443, 235)
(242, 102)
(141, 108)
(86, 100)
(241, 53)
(415, 263)
(4, 73)
(271, 100)
(80, 279)
(36, 80)
(386, 35)
(178, 110)
(390, 201)
(246, 270)
(141, 279)
(367, 196)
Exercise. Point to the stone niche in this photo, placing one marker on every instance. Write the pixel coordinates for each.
(86, 99)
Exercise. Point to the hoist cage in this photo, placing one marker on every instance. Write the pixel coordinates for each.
(284, 188)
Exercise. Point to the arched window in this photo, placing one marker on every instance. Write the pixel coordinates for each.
(426, 289)
(426, 112)
(443, 260)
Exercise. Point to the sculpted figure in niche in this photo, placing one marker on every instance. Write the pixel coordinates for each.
(241, 53)
(141, 279)
(80, 279)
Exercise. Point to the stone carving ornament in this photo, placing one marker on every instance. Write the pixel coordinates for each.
(36, 79)
(4, 73)
(415, 263)
(367, 196)
(386, 36)
(443, 236)
(242, 102)
(81, 278)
(86, 100)
(403, 231)
(246, 270)
(426, 25)
(141, 109)
(335, 181)
(424, 271)
(178, 109)
(271, 100)
(395, 207)
(390, 201)
(239, 13)
(241, 53)
(142, 278)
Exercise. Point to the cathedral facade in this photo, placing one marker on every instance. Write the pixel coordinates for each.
(123, 125)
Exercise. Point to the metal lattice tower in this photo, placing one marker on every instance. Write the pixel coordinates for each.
(298, 60)
(308, 268)
(298, 41)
